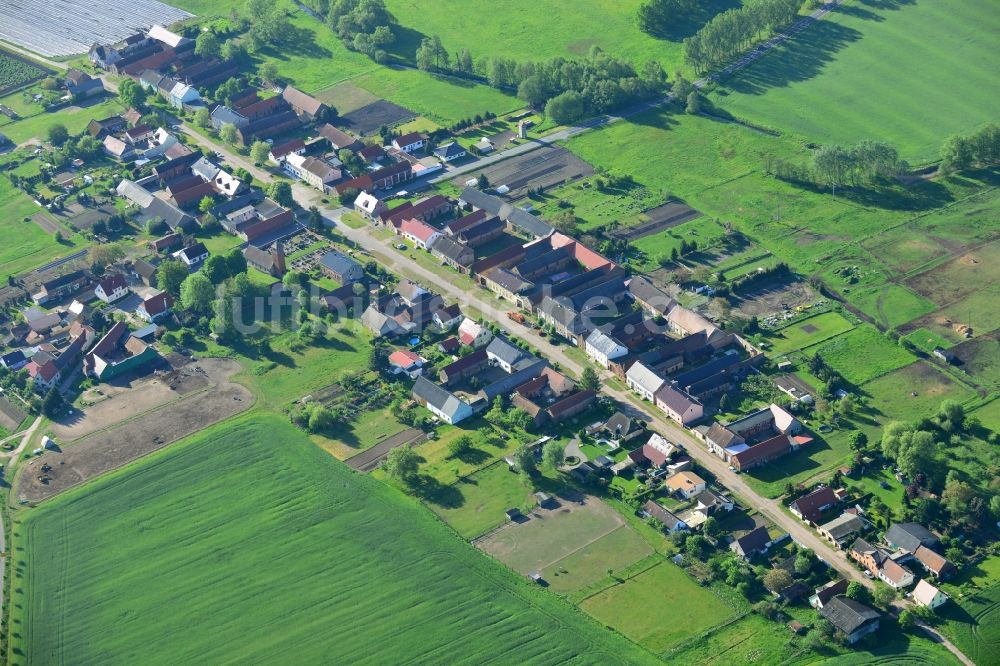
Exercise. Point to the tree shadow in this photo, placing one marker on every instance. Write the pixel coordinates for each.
(798, 59)
(473, 456)
(406, 43)
(701, 14)
(299, 42)
(432, 491)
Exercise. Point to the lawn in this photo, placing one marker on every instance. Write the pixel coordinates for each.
(751, 639)
(627, 607)
(809, 331)
(572, 546)
(484, 496)
(989, 415)
(824, 454)
(23, 244)
(368, 429)
(893, 393)
(75, 118)
(298, 373)
(849, 77)
(257, 547)
(890, 305)
(926, 340)
(862, 354)
(973, 623)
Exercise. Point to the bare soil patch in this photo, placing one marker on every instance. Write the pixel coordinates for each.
(670, 214)
(772, 297)
(369, 459)
(545, 167)
(47, 224)
(161, 424)
(368, 119)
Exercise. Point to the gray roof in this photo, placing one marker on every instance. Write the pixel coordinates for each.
(436, 396)
(644, 377)
(481, 200)
(339, 263)
(450, 249)
(848, 615)
(644, 290)
(751, 542)
(506, 352)
(450, 149)
(602, 342)
(843, 525)
(909, 536)
(205, 169)
(677, 400)
(224, 115)
(528, 223)
(662, 514)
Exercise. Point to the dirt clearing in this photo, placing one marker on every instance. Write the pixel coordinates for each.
(142, 433)
(668, 215)
(368, 119)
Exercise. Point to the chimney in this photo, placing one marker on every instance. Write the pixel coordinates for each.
(278, 253)
(522, 130)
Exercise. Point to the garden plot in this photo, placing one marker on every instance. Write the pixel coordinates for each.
(662, 217)
(572, 545)
(545, 167)
(980, 359)
(368, 119)
(959, 277)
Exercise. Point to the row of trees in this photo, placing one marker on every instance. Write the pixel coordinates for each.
(864, 164)
(974, 151)
(732, 32)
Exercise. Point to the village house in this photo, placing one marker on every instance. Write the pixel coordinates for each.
(409, 143)
(193, 254)
(60, 287)
(111, 288)
(448, 317)
(450, 151)
(279, 152)
(155, 307)
(685, 484)
(839, 530)
(752, 543)
(678, 405)
(440, 402)
(916, 541)
(644, 381)
(662, 515)
(473, 334)
(313, 171)
(404, 361)
(655, 452)
(453, 253)
(827, 592)
(465, 367)
(369, 206)
(810, 507)
(339, 140)
(82, 85)
(419, 233)
(851, 618)
(928, 596)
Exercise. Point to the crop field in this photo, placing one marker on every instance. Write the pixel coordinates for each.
(626, 607)
(751, 639)
(275, 534)
(849, 77)
(973, 623)
(863, 354)
(808, 332)
(14, 71)
(571, 545)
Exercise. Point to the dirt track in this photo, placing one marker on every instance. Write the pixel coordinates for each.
(141, 433)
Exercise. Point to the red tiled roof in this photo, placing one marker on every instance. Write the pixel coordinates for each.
(767, 449)
(417, 229)
(157, 304)
(404, 358)
(809, 505)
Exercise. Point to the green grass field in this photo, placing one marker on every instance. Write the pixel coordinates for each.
(893, 393)
(23, 244)
(850, 76)
(246, 544)
(926, 340)
(890, 305)
(657, 247)
(485, 496)
(570, 30)
(808, 332)
(627, 607)
(863, 354)
(752, 639)
(989, 415)
(75, 118)
(572, 549)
